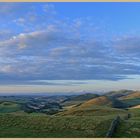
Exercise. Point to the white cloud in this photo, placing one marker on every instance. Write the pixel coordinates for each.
(58, 49)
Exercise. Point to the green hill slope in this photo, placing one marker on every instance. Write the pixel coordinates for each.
(92, 111)
(129, 128)
(15, 126)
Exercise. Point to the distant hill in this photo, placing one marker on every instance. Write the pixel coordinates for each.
(84, 97)
(78, 99)
(120, 93)
(131, 96)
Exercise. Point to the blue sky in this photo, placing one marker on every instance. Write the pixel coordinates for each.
(69, 47)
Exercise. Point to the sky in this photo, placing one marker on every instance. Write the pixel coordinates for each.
(69, 47)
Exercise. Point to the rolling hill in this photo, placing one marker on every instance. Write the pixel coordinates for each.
(94, 111)
(120, 93)
(132, 99)
(84, 97)
(104, 101)
(131, 96)
(100, 105)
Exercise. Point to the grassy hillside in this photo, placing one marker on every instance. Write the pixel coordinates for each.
(130, 128)
(97, 106)
(43, 126)
(103, 101)
(92, 111)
